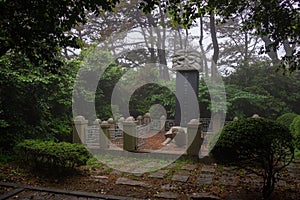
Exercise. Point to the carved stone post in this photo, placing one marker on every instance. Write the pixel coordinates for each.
(97, 122)
(147, 119)
(104, 137)
(194, 137)
(79, 130)
(111, 122)
(120, 125)
(129, 133)
(139, 120)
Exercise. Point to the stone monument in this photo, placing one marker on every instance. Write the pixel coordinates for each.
(187, 64)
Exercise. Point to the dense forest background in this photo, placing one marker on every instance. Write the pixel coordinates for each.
(254, 46)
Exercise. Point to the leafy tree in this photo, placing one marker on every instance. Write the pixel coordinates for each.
(276, 21)
(260, 146)
(37, 28)
(104, 91)
(257, 88)
(151, 94)
(34, 103)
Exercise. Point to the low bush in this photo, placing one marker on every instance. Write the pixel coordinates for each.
(261, 146)
(53, 154)
(286, 119)
(213, 140)
(295, 129)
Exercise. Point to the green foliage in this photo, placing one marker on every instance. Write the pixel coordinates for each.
(213, 140)
(216, 91)
(52, 154)
(259, 145)
(286, 119)
(279, 20)
(150, 94)
(37, 29)
(295, 129)
(258, 88)
(5, 158)
(34, 103)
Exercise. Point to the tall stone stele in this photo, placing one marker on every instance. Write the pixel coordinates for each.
(187, 64)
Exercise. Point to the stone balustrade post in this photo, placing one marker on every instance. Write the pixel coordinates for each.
(79, 130)
(147, 119)
(104, 137)
(97, 122)
(129, 135)
(111, 122)
(120, 125)
(194, 137)
(139, 120)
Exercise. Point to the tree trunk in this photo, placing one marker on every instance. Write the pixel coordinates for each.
(160, 46)
(214, 39)
(268, 188)
(270, 51)
(203, 59)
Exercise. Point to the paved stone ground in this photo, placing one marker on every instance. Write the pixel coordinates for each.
(175, 175)
(201, 175)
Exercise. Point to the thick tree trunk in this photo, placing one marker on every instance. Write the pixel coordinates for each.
(270, 51)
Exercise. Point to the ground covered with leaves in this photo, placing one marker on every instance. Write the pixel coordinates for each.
(98, 178)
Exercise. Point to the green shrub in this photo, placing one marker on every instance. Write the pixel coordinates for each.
(262, 146)
(213, 140)
(295, 129)
(52, 154)
(286, 119)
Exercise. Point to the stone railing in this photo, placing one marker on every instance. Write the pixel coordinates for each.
(132, 132)
(90, 135)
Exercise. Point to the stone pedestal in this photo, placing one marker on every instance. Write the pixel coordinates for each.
(79, 130)
(194, 137)
(129, 131)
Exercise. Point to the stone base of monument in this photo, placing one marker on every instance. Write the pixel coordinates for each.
(176, 134)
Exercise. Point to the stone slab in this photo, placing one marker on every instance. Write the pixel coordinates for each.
(159, 174)
(208, 169)
(127, 181)
(115, 172)
(180, 177)
(203, 196)
(281, 183)
(229, 181)
(189, 167)
(167, 195)
(168, 187)
(205, 179)
(252, 181)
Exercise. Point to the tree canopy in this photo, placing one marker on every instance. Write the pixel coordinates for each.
(37, 28)
(276, 21)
